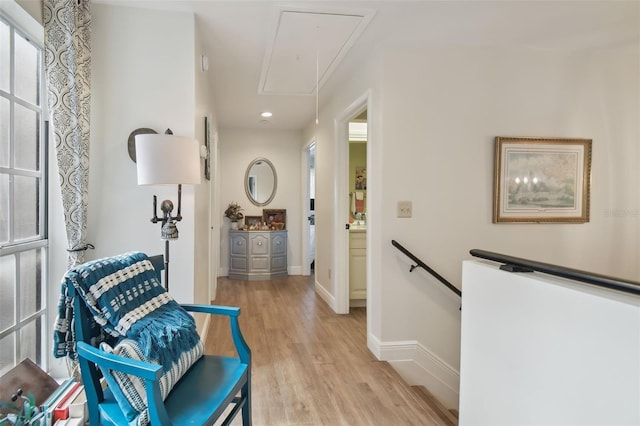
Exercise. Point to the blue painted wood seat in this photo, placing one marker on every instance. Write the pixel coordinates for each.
(200, 397)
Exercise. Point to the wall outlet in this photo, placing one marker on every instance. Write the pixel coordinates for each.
(405, 209)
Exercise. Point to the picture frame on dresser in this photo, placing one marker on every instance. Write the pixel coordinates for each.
(541, 180)
(275, 218)
(250, 221)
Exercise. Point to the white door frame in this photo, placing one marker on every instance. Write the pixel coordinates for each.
(214, 216)
(341, 202)
(305, 208)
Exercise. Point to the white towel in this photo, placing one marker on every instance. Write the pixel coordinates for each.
(353, 202)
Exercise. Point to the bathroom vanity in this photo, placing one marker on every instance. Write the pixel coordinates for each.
(357, 264)
(257, 255)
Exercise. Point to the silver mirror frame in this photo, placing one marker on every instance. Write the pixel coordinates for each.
(246, 182)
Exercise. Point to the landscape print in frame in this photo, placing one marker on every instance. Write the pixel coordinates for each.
(540, 180)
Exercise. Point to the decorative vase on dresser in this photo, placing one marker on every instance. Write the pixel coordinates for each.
(234, 225)
(257, 255)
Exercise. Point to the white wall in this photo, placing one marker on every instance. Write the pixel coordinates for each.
(540, 350)
(435, 115)
(238, 148)
(142, 76)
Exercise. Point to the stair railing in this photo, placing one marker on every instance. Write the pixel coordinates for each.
(516, 264)
(420, 264)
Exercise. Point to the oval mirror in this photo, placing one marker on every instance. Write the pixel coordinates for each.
(260, 182)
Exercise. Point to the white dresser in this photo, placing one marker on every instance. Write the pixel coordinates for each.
(257, 255)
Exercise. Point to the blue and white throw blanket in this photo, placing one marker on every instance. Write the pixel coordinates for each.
(126, 300)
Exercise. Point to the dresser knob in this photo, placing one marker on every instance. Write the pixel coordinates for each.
(259, 243)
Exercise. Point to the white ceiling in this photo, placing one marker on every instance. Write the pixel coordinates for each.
(305, 46)
(258, 50)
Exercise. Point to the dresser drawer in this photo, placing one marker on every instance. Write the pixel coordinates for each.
(278, 245)
(259, 245)
(238, 245)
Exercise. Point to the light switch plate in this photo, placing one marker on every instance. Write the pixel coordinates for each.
(405, 209)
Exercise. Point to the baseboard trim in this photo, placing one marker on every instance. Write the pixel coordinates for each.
(418, 366)
(295, 270)
(325, 295)
(374, 344)
(291, 270)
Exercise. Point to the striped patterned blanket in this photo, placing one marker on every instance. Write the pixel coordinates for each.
(126, 300)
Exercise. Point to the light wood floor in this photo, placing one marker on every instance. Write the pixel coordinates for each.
(310, 365)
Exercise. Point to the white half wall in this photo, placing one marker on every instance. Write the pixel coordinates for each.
(541, 350)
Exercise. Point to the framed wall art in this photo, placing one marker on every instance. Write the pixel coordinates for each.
(275, 218)
(540, 180)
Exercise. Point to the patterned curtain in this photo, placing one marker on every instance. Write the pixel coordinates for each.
(67, 25)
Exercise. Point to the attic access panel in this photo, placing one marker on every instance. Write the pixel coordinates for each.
(297, 36)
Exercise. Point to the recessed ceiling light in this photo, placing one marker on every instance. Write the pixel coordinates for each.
(266, 114)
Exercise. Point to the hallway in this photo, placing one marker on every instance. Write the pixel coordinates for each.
(310, 365)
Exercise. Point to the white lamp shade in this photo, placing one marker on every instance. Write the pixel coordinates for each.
(167, 159)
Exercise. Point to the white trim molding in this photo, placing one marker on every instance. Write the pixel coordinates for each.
(291, 270)
(418, 366)
(325, 295)
(22, 19)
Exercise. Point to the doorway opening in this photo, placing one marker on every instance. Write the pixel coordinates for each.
(311, 260)
(348, 200)
(308, 208)
(357, 213)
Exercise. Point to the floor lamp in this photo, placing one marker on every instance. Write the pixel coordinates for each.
(167, 160)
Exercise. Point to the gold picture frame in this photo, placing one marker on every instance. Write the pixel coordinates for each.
(541, 180)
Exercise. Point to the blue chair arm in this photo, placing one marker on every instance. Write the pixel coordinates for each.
(232, 312)
(145, 370)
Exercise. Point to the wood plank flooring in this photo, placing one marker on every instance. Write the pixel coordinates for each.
(310, 365)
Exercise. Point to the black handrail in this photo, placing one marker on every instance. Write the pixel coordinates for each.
(421, 264)
(516, 264)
